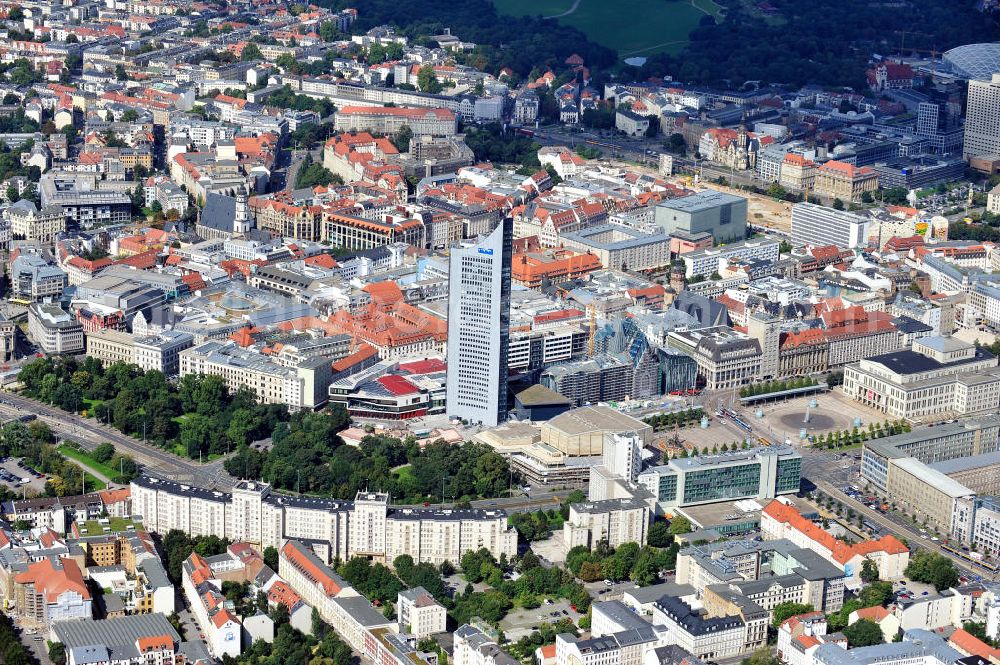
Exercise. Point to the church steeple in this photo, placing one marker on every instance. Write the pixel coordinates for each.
(241, 220)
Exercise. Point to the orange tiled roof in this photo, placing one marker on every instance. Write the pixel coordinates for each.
(841, 552)
(971, 645)
(155, 643)
(53, 582)
(876, 613)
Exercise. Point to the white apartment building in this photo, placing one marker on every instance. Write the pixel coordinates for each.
(474, 647)
(617, 521)
(347, 611)
(708, 638)
(798, 637)
(985, 297)
(301, 387)
(624, 648)
(419, 614)
(365, 527)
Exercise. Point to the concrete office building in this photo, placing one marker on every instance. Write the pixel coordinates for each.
(930, 494)
(582, 431)
(54, 330)
(620, 247)
(479, 327)
(722, 215)
(758, 473)
(972, 437)
(766, 572)
(725, 357)
(706, 261)
(160, 352)
(819, 226)
(33, 279)
(982, 119)
(940, 376)
(936, 473)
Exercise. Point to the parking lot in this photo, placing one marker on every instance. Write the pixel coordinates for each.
(521, 622)
(12, 475)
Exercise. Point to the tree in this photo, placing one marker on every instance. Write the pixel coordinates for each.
(328, 31)
(762, 656)
(869, 571)
(776, 191)
(103, 453)
(783, 611)
(313, 174)
(427, 80)
(838, 204)
(120, 72)
(130, 115)
(57, 653)
(932, 568)
(659, 534)
(271, 557)
(251, 52)
(680, 524)
(863, 633)
(402, 138)
(876, 593)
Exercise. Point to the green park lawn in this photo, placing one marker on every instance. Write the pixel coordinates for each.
(88, 461)
(632, 27)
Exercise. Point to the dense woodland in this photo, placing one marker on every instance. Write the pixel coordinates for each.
(197, 416)
(307, 456)
(519, 43)
(827, 42)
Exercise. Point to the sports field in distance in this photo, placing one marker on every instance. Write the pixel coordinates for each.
(632, 27)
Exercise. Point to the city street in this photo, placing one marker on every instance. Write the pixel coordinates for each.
(89, 433)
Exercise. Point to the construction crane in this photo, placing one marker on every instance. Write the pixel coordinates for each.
(592, 337)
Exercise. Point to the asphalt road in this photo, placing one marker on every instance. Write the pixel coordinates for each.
(898, 526)
(525, 504)
(89, 433)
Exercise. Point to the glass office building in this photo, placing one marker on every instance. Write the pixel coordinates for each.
(758, 473)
